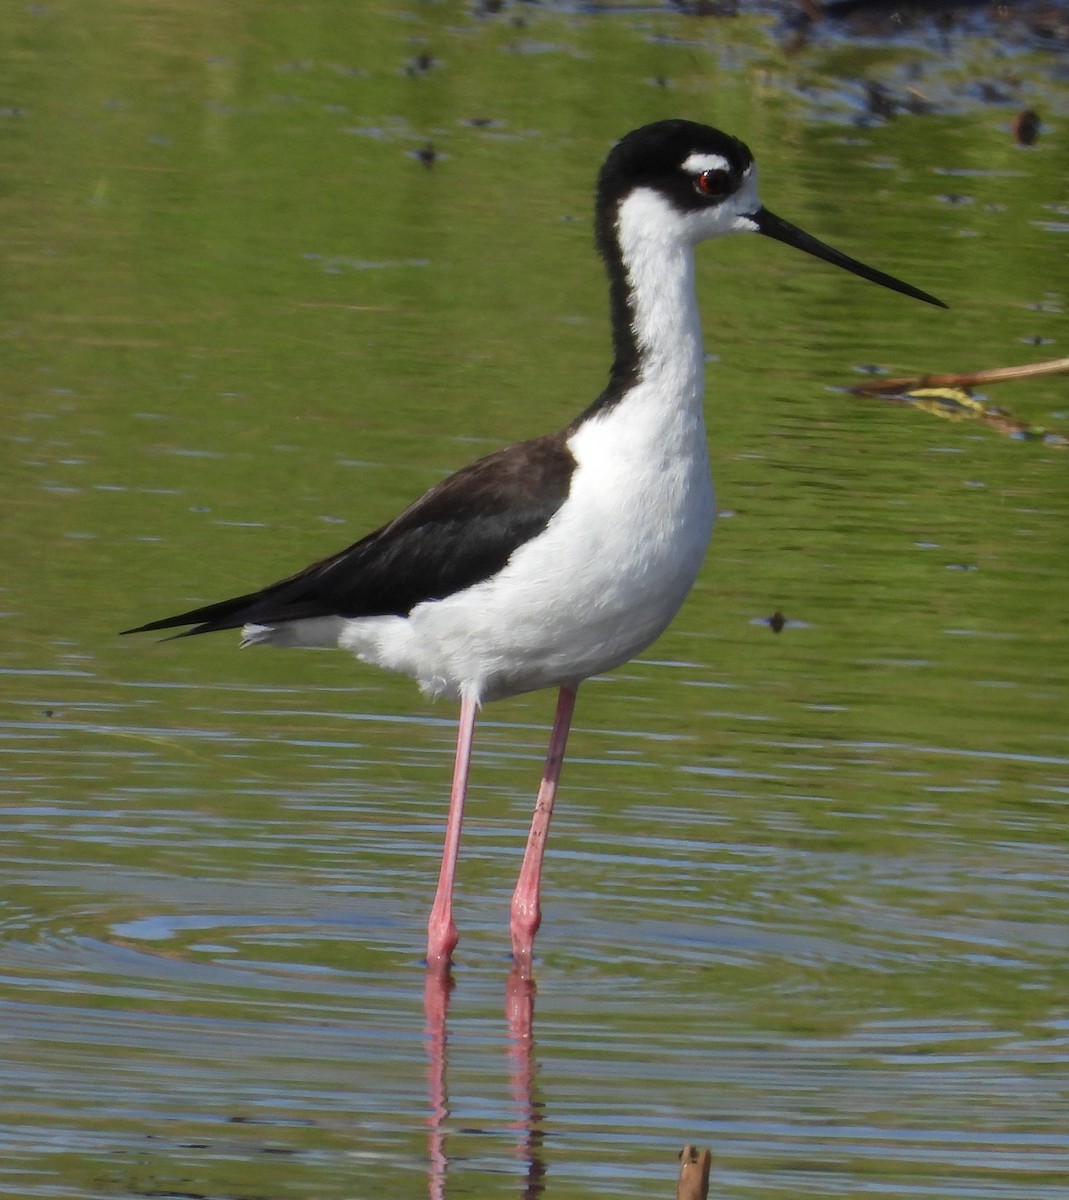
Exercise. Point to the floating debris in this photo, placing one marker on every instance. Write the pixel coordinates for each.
(420, 65)
(427, 155)
(779, 621)
(1026, 126)
(948, 396)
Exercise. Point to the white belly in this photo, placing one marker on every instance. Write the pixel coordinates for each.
(602, 581)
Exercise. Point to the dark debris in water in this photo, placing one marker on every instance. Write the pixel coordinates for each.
(421, 64)
(778, 621)
(1026, 127)
(427, 155)
(1039, 23)
(862, 44)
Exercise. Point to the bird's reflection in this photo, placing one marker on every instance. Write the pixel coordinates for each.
(519, 1012)
(528, 1121)
(437, 988)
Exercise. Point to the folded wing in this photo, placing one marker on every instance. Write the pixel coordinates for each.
(457, 534)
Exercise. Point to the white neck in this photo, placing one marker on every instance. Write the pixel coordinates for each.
(658, 260)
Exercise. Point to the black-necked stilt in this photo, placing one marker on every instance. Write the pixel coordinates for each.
(565, 556)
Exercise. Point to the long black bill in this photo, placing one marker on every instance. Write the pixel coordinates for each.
(783, 231)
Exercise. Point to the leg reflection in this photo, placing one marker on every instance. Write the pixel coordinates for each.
(437, 988)
(519, 1011)
(527, 1110)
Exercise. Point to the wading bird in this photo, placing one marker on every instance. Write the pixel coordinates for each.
(561, 557)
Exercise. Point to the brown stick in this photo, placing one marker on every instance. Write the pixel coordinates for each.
(964, 379)
(693, 1174)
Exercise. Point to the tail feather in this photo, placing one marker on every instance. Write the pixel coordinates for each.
(226, 614)
(294, 598)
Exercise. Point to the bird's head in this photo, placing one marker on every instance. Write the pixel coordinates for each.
(681, 182)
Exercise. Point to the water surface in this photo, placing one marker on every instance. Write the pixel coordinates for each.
(806, 892)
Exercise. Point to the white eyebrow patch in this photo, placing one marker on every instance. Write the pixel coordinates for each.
(697, 163)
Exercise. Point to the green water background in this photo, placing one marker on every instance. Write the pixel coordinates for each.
(806, 893)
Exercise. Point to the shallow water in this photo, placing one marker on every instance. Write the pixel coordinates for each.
(806, 891)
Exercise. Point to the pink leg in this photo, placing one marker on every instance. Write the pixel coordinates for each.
(442, 936)
(526, 911)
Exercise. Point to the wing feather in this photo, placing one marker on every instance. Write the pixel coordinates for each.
(454, 536)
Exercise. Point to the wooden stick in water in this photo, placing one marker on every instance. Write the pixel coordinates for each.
(693, 1174)
(964, 379)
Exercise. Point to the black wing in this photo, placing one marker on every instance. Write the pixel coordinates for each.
(457, 534)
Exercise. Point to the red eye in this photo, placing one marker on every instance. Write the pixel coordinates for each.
(713, 183)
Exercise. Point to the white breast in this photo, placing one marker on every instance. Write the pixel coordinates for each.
(595, 588)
